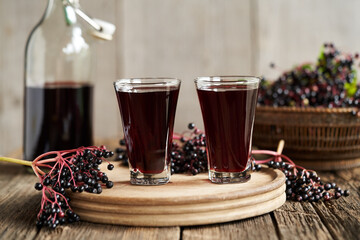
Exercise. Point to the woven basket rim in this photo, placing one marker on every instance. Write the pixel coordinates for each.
(305, 109)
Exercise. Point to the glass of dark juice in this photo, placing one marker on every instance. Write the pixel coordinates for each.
(228, 106)
(147, 109)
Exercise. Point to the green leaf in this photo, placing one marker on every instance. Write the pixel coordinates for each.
(307, 66)
(321, 59)
(351, 87)
(322, 53)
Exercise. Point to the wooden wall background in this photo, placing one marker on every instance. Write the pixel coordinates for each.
(178, 38)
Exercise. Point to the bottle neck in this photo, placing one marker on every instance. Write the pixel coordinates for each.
(54, 7)
(74, 2)
(59, 9)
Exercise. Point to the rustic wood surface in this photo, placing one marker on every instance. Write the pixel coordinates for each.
(339, 219)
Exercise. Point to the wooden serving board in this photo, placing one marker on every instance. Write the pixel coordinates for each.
(185, 200)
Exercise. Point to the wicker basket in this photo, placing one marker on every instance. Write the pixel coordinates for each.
(317, 138)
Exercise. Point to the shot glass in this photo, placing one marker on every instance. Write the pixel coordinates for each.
(228, 106)
(147, 109)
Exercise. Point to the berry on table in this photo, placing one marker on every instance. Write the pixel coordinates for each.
(191, 126)
(38, 186)
(109, 184)
(110, 167)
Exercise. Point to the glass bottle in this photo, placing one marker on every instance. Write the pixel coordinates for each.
(58, 82)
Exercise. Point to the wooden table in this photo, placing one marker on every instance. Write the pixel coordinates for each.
(338, 219)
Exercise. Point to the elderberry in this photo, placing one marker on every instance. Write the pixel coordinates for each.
(303, 185)
(346, 193)
(109, 184)
(330, 83)
(38, 186)
(188, 153)
(191, 126)
(121, 154)
(76, 170)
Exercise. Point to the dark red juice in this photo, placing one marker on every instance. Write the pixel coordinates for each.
(148, 122)
(58, 116)
(228, 115)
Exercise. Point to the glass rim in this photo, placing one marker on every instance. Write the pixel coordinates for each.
(229, 79)
(148, 81)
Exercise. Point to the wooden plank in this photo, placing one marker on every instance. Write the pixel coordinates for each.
(186, 39)
(299, 221)
(350, 174)
(341, 216)
(339, 219)
(177, 38)
(152, 233)
(254, 36)
(321, 220)
(253, 228)
(107, 121)
(19, 203)
(84, 230)
(292, 32)
(16, 21)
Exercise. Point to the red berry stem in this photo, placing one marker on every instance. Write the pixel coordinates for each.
(75, 169)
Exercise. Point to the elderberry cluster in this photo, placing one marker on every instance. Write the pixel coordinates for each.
(121, 153)
(304, 185)
(189, 156)
(78, 171)
(329, 83)
(52, 216)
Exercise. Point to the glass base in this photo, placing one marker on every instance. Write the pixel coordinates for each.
(229, 177)
(138, 178)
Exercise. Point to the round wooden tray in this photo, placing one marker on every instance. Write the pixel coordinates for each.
(185, 200)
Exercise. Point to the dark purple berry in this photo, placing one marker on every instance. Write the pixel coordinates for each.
(38, 186)
(191, 126)
(109, 184)
(346, 193)
(110, 167)
(327, 186)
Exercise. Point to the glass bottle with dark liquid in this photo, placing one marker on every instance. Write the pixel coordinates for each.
(58, 116)
(58, 87)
